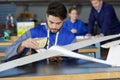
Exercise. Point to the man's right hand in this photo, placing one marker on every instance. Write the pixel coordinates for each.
(30, 43)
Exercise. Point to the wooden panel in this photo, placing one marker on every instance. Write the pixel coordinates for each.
(2, 54)
(89, 50)
(8, 43)
(86, 50)
(71, 77)
(14, 38)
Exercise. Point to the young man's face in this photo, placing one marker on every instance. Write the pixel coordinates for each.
(54, 23)
(74, 14)
(96, 3)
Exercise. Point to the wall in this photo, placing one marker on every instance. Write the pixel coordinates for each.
(40, 11)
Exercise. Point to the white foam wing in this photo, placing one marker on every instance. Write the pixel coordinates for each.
(88, 42)
(67, 53)
(28, 59)
(111, 44)
(57, 51)
(114, 55)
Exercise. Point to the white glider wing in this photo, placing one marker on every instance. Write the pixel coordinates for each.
(58, 51)
(28, 59)
(114, 55)
(111, 44)
(88, 42)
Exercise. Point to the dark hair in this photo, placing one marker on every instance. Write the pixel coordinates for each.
(72, 8)
(57, 9)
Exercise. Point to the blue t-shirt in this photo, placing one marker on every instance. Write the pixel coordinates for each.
(65, 37)
(78, 25)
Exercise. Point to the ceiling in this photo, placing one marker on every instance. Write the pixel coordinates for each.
(39, 2)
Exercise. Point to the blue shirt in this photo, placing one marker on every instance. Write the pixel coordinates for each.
(106, 19)
(78, 25)
(65, 37)
(99, 9)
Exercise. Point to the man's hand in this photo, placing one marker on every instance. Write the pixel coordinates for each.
(88, 35)
(30, 43)
(100, 35)
(74, 31)
(55, 59)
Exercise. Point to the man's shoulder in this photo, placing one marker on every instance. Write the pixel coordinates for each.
(38, 27)
(107, 5)
(38, 31)
(108, 9)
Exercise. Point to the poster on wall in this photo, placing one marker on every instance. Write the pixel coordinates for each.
(22, 27)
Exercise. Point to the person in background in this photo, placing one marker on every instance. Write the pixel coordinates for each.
(73, 24)
(55, 15)
(104, 15)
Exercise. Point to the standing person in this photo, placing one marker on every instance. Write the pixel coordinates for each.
(73, 24)
(104, 15)
(55, 15)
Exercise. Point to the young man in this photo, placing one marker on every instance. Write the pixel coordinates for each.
(104, 15)
(55, 15)
(73, 24)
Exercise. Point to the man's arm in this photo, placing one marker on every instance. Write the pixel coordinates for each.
(13, 49)
(91, 22)
(28, 43)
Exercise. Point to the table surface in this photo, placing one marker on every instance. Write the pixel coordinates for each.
(9, 42)
(69, 67)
